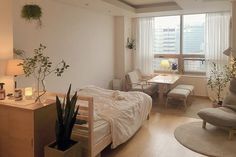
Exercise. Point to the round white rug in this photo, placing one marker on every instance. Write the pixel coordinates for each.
(211, 141)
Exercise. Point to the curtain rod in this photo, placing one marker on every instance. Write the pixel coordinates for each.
(179, 14)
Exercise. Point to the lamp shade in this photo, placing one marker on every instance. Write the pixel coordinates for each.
(13, 68)
(227, 52)
(165, 63)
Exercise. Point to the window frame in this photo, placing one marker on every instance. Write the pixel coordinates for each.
(181, 57)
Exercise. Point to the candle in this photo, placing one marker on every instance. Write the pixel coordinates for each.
(28, 93)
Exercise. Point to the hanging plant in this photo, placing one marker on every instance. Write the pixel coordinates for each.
(130, 44)
(32, 12)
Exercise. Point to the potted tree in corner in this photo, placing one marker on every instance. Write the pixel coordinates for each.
(217, 82)
(66, 118)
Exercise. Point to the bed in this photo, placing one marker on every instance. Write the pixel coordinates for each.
(113, 117)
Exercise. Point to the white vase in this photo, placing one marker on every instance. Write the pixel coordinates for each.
(39, 94)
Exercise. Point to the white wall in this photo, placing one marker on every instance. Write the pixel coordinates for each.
(199, 83)
(84, 38)
(119, 47)
(123, 55)
(6, 41)
(128, 53)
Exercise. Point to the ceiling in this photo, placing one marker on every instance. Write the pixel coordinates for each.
(139, 8)
(144, 2)
(143, 7)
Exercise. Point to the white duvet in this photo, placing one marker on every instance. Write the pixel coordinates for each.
(125, 111)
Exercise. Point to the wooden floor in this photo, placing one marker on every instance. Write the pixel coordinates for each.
(156, 137)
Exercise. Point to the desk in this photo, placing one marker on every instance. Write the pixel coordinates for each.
(163, 80)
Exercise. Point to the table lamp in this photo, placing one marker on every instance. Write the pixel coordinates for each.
(13, 68)
(228, 51)
(165, 64)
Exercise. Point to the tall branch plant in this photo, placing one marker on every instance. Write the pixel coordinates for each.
(219, 77)
(39, 66)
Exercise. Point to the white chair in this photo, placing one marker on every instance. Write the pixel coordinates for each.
(135, 81)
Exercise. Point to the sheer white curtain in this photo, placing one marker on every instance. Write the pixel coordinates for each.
(144, 45)
(217, 40)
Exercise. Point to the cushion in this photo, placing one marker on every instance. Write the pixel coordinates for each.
(221, 116)
(230, 101)
(139, 74)
(133, 76)
(179, 93)
(188, 87)
(232, 87)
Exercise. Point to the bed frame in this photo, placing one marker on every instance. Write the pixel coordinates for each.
(84, 133)
(90, 148)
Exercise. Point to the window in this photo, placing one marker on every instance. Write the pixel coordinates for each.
(193, 65)
(172, 31)
(157, 63)
(194, 43)
(167, 35)
(193, 34)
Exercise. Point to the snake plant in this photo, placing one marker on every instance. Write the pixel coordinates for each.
(66, 118)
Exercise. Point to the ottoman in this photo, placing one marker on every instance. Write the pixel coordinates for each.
(180, 94)
(188, 87)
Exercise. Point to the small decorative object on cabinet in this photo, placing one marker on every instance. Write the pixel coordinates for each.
(28, 93)
(2, 91)
(18, 95)
(66, 118)
(40, 67)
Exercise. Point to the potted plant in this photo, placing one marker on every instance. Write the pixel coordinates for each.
(39, 66)
(218, 81)
(130, 44)
(66, 118)
(32, 12)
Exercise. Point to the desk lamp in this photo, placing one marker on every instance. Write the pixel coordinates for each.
(14, 69)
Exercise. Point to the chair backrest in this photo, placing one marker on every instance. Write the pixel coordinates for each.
(139, 73)
(134, 78)
(230, 100)
(232, 86)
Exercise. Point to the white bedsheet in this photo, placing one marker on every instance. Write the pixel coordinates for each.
(125, 111)
(101, 129)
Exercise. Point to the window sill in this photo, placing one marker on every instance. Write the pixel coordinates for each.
(182, 75)
(194, 76)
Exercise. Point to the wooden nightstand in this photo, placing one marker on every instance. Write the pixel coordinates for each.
(26, 127)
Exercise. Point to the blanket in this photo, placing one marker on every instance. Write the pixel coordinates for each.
(125, 111)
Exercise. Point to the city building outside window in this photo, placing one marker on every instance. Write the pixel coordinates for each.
(180, 39)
